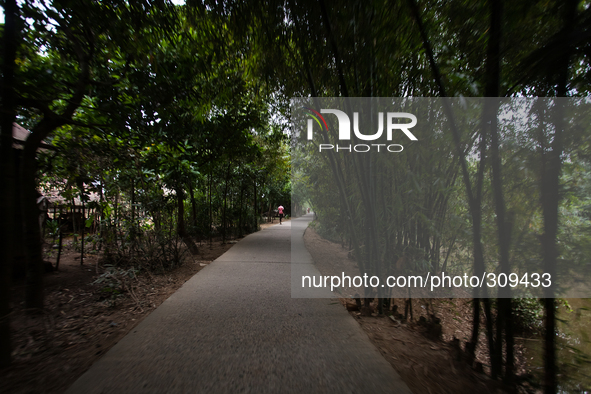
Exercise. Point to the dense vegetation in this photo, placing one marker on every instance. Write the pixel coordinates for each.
(147, 108)
(177, 111)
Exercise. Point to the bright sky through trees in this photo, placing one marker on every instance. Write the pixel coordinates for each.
(177, 2)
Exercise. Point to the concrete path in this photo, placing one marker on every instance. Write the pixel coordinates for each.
(235, 328)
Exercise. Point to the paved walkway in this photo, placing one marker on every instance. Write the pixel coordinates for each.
(235, 328)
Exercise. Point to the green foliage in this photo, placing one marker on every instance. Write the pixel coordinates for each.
(166, 113)
(528, 313)
(52, 227)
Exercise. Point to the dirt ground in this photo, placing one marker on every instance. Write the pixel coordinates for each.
(81, 320)
(425, 364)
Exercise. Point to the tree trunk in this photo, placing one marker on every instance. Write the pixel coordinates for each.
(74, 220)
(256, 214)
(82, 225)
(551, 170)
(132, 209)
(510, 341)
(210, 212)
(471, 346)
(550, 383)
(101, 227)
(131, 224)
(7, 181)
(116, 224)
(240, 233)
(504, 313)
(489, 329)
(225, 208)
(30, 213)
(59, 249)
(193, 206)
(181, 229)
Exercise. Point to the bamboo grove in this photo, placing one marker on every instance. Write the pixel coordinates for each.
(468, 201)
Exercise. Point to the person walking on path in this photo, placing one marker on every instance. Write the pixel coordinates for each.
(280, 209)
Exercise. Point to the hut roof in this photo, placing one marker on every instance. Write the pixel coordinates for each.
(20, 135)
